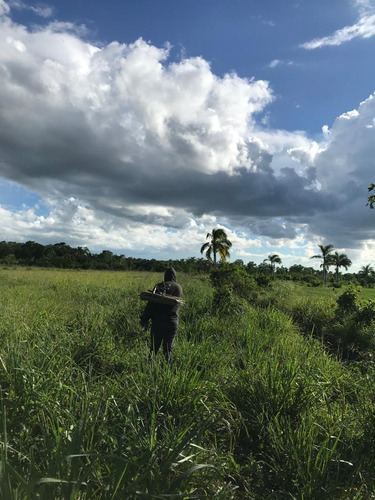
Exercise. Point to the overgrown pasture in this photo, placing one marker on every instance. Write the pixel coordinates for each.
(251, 408)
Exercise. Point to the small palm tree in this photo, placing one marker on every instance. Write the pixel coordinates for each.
(218, 244)
(273, 259)
(339, 260)
(371, 198)
(366, 271)
(326, 250)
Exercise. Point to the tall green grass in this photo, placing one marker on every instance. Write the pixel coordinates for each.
(250, 408)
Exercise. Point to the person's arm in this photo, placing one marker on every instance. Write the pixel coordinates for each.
(147, 315)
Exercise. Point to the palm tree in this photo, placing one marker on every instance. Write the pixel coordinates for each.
(218, 244)
(366, 271)
(371, 198)
(339, 260)
(273, 259)
(326, 250)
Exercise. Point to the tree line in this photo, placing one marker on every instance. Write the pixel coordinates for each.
(62, 255)
(219, 244)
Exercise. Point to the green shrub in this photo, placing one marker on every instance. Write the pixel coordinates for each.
(243, 285)
(225, 302)
(347, 302)
(349, 339)
(366, 311)
(262, 280)
(311, 281)
(352, 302)
(352, 335)
(312, 316)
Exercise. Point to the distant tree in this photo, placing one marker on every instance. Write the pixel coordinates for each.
(251, 267)
(218, 244)
(324, 256)
(82, 257)
(366, 272)
(10, 260)
(339, 260)
(296, 269)
(273, 259)
(30, 252)
(371, 198)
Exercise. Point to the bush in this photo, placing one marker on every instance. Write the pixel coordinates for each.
(366, 311)
(263, 280)
(349, 340)
(241, 283)
(313, 317)
(225, 302)
(347, 301)
(353, 333)
(352, 302)
(311, 281)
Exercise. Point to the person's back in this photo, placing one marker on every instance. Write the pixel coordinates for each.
(164, 318)
(169, 286)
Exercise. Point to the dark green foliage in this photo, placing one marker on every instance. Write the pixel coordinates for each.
(61, 255)
(226, 303)
(242, 284)
(366, 312)
(349, 340)
(352, 334)
(371, 198)
(352, 302)
(313, 318)
(311, 281)
(347, 302)
(263, 280)
(234, 287)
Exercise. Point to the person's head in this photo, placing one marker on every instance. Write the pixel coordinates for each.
(170, 274)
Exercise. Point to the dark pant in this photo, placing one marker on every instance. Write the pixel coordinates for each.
(163, 332)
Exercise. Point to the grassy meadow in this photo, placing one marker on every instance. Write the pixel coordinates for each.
(327, 292)
(256, 405)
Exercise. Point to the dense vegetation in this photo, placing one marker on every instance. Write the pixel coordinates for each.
(270, 394)
(60, 255)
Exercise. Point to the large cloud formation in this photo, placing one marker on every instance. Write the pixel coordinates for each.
(344, 165)
(118, 138)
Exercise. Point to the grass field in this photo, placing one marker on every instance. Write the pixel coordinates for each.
(249, 409)
(327, 292)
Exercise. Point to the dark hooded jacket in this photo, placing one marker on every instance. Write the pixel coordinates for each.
(161, 313)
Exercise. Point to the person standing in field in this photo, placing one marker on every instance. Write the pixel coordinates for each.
(164, 318)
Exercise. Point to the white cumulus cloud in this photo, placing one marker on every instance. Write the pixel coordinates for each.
(344, 167)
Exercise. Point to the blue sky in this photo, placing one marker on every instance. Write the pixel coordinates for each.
(140, 125)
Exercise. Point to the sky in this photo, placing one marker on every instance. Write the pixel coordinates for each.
(139, 126)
